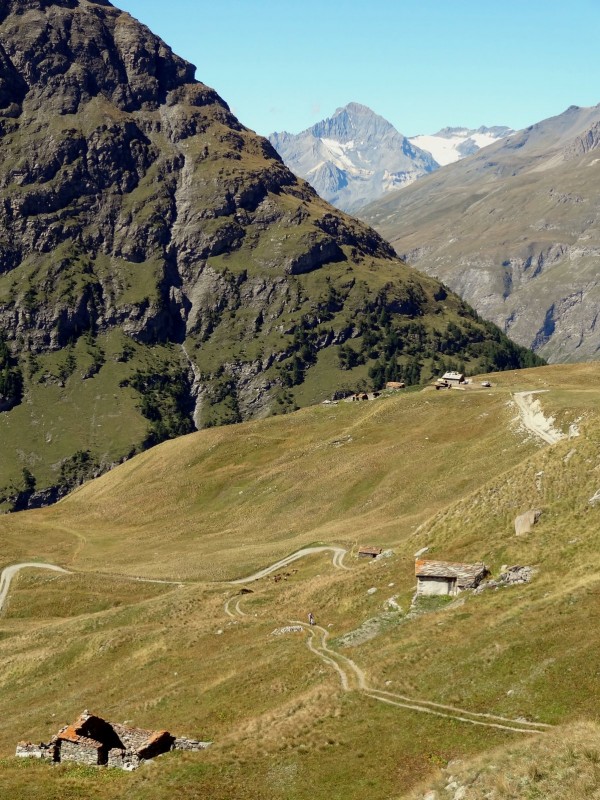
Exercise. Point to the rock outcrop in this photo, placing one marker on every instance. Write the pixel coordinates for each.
(524, 522)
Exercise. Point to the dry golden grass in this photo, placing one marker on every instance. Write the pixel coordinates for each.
(170, 656)
(221, 503)
(563, 765)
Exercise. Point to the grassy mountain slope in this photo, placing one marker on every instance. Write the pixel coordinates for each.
(514, 230)
(162, 270)
(444, 470)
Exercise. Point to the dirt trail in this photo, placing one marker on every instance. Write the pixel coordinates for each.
(338, 557)
(8, 573)
(353, 678)
(533, 418)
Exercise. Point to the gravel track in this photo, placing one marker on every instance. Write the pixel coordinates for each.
(533, 418)
(8, 573)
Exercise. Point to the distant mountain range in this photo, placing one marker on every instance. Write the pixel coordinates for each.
(515, 230)
(357, 156)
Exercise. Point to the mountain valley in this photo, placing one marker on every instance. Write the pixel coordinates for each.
(161, 270)
(447, 471)
(514, 230)
(237, 505)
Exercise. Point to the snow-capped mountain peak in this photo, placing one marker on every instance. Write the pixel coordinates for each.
(353, 157)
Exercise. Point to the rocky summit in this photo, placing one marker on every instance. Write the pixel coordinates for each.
(161, 270)
(353, 157)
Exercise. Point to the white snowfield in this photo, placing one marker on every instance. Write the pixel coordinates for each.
(445, 149)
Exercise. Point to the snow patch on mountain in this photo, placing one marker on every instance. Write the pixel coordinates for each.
(356, 156)
(452, 144)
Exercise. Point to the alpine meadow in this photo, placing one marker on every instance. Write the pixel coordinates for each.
(282, 516)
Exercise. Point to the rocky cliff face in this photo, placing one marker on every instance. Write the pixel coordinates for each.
(161, 269)
(514, 230)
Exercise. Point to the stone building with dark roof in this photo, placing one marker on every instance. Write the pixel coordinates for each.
(446, 577)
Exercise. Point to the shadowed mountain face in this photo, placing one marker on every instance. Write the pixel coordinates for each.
(353, 157)
(514, 230)
(161, 269)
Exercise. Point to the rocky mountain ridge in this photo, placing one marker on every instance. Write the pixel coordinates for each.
(356, 156)
(162, 270)
(353, 156)
(514, 230)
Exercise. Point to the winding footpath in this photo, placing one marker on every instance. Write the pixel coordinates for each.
(8, 573)
(353, 678)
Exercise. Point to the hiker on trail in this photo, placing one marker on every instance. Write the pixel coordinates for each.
(311, 618)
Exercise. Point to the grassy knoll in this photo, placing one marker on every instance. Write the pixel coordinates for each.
(447, 470)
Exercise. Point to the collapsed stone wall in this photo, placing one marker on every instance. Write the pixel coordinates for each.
(190, 745)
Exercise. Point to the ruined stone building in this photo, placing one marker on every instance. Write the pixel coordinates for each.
(94, 741)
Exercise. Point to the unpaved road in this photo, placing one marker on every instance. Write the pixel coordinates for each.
(338, 556)
(8, 573)
(533, 418)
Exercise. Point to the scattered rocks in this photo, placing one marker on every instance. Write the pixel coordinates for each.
(287, 629)
(384, 554)
(421, 552)
(369, 629)
(524, 522)
(391, 604)
(595, 498)
(510, 577)
(372, 590)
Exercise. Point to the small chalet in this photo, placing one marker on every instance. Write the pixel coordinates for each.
(453, 377)
(447, 578)
(93, 741)
(370, 552)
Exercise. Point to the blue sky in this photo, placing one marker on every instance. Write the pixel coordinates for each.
(424, 64)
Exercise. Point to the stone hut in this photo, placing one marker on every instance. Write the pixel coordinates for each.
(447, 578)
(93, 741)
(453, 377)
(370, 552)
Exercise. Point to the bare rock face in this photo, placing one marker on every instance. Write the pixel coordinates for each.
(524, 522)
(514, 230)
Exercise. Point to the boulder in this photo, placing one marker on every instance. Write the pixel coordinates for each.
(524, 522)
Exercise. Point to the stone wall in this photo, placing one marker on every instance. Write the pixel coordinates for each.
(435, 586)
(82, 754)
(30, 750)
(123, 759)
